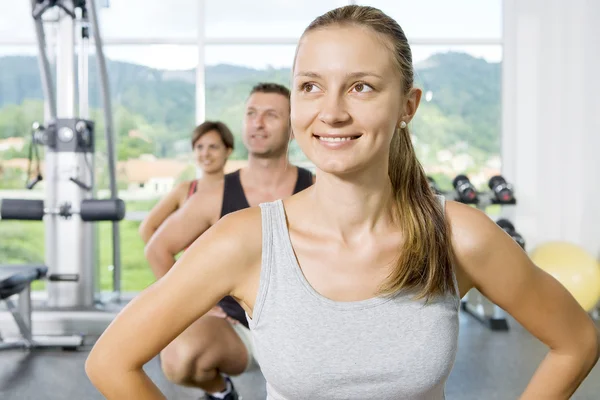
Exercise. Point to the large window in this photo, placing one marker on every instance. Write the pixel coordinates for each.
(153, 63)
(153, 98)
(457, 127)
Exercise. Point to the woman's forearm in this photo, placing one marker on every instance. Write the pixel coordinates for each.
(127, 385)
(559, 375)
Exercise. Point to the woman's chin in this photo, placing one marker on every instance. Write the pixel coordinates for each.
(338, 167)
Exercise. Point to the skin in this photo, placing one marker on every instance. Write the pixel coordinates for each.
(210, 345)
(211, 155)
(349, 205)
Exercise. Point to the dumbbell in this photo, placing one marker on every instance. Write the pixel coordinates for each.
(503, 191)
(90, 210)
(509, 228)
(465, 190)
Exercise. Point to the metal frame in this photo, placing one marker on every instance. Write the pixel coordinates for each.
(61, 255)
(22, 316)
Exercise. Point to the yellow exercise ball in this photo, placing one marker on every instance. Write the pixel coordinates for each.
(572, 266)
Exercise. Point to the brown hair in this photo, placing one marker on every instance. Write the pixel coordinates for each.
(269, 87)
(220, 127)
(425, 260)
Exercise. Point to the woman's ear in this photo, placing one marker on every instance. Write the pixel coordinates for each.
(413, 99)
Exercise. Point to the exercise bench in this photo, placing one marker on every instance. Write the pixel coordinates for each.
(17, 280)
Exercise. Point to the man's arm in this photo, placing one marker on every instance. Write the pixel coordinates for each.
(179, 231)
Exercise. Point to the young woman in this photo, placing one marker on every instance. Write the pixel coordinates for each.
(212, 143)
(352, 286)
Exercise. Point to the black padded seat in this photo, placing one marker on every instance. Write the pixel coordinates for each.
(15, 278)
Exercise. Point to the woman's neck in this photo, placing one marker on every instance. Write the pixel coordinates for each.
(353, 207)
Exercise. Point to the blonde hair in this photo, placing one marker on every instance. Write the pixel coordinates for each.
(425, 260)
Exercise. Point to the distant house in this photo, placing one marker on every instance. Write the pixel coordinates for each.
(151, 175)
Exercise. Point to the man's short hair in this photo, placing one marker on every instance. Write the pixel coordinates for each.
(270, 87)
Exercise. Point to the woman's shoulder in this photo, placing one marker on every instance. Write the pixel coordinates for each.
(470, 226)
(242, 229)
(184, 187)
(475, 236)
(242, 222)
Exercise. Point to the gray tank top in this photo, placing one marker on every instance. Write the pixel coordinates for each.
(311, 347)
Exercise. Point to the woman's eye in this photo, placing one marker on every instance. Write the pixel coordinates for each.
(309, 87)
(362, 88)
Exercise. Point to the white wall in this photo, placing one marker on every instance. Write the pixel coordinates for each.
(551, 118)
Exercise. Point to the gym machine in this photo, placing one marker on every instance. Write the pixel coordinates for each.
(69, 209)
(500, 193)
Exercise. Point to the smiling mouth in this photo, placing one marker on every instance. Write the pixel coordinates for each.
(336, 138)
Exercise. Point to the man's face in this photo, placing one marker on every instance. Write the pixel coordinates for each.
(266, 130)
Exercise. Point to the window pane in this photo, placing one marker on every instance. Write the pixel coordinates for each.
(443, 18)
(21, 104)
(458, 126)
(266, 18)
(153, 98)
(150, 18)
(153, 90)
(231, 71)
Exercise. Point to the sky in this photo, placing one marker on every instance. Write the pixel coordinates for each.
(178, 20)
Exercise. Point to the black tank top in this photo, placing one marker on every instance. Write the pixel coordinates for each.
(234, 199)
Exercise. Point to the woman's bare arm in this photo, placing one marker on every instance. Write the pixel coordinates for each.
(494, 264)
(221, 262)
(161, 211)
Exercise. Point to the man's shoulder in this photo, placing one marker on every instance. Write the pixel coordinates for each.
(305, 177)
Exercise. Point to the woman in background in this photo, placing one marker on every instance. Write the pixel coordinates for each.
(212, 143)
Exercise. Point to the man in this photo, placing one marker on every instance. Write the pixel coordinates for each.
(220, 342)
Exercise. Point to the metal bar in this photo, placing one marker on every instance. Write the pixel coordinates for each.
(200, 81)
(192, 41)
(92, 252)
(109, 132)
(23, 320)
(44, 65)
